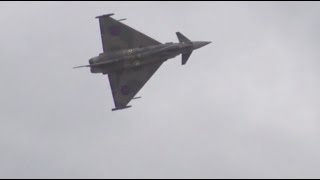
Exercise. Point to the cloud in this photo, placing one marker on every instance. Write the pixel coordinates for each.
(245, 106)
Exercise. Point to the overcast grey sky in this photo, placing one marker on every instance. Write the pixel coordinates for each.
(245, 106)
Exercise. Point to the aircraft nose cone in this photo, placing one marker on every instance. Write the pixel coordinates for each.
(199, 44)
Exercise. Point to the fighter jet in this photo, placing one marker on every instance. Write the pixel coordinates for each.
(130, 57)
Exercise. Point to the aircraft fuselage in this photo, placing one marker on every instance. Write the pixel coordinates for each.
(133, 58)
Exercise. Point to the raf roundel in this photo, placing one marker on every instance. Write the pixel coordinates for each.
(125, 90)
(115, 30)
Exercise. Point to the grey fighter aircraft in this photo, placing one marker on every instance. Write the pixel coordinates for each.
(130, 58)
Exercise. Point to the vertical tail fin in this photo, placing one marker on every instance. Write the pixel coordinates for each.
(185, 56)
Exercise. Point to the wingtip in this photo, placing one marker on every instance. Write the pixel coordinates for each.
(120, 108)
(105, 15)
